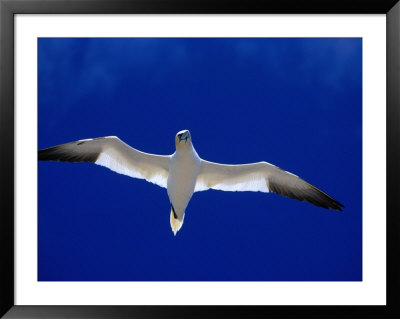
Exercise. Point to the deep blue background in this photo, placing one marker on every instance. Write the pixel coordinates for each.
(296, 103)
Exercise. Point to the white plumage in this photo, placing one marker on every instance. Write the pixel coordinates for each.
(184, 172)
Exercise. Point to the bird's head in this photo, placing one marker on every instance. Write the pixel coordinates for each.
(183, 139)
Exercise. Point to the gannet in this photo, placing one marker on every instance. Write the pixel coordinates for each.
(184, 172)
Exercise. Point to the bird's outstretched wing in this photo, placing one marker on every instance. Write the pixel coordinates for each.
(111, 152)
(262, 177)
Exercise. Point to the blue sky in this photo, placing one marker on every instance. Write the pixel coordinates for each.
(296, 103)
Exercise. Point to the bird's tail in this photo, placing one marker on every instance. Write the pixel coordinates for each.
(176, 223)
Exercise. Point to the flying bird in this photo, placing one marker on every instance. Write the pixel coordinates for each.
(184, 172)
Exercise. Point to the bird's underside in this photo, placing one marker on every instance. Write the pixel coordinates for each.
(163, 170)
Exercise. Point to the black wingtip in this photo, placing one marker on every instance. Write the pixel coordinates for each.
(340, 207)
(328, 202)
(60, 154)
(312, 195)
(46, 154)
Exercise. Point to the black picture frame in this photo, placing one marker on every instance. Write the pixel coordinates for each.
(8, 9)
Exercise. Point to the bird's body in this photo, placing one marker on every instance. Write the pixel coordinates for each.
(184, 167)
(184, 172)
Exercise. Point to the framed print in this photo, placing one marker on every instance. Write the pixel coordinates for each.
(298, 97)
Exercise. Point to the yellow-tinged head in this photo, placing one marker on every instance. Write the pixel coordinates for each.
(183, 140)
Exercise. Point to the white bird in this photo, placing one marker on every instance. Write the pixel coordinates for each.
(184, 172)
